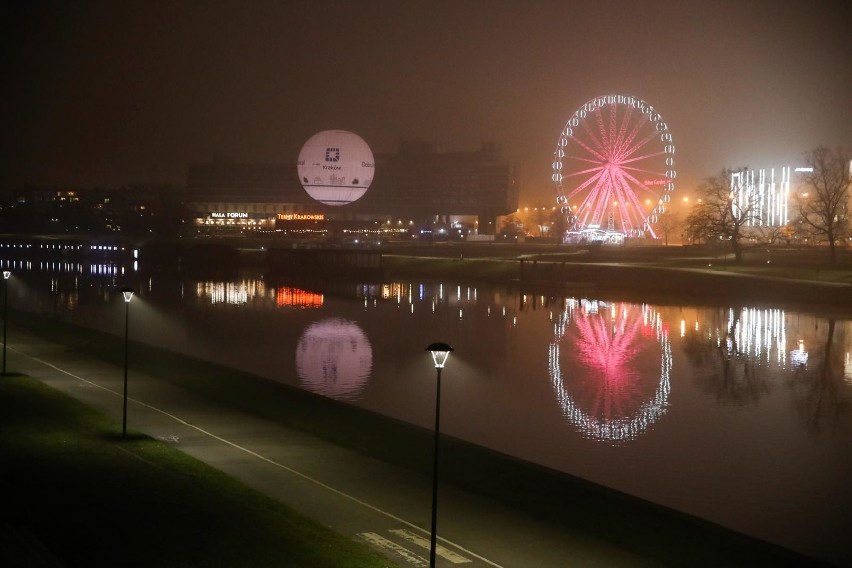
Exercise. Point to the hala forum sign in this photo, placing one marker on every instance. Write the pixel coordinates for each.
(336, 167)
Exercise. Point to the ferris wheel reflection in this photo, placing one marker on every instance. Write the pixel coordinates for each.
(609, 364)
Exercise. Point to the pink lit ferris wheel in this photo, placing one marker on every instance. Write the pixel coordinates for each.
(613, 168)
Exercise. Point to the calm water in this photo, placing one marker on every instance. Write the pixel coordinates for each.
(735, 413)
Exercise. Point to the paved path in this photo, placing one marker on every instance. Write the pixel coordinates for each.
(385, 506)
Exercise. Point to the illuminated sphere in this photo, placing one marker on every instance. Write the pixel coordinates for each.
(334, 358)
(336, 167)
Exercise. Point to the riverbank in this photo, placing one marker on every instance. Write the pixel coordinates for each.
(661, 535)
(800, 277)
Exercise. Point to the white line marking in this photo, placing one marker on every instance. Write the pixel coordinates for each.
(259, 456)
(427, 544)
(382, 542)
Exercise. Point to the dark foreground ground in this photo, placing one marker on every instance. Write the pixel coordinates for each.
(75, 493)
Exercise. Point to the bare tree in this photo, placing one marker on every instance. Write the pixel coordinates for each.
(724, 369)
(818, 386)
(549, 221)
(511, 226)
(559, 225)
(724, 212)
(667, 223)
(824, 211)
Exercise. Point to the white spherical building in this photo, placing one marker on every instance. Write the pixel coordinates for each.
(336, 167)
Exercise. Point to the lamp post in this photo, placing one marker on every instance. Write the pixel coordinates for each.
(440, 354)
(128, 295)
(6, 275)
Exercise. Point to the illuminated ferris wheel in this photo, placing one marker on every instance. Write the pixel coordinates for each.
(613, 168)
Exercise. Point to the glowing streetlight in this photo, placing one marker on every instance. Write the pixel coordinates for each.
(440, 354)
(6, 275)
(128, 295)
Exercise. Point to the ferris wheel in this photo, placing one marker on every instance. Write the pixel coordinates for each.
(613, 168)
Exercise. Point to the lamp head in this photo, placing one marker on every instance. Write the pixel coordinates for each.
(440, 354)
(128, 294)
(6, 274)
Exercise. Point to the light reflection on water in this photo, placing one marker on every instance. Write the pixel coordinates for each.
(604, 342)
(738, 414)
(334, 358)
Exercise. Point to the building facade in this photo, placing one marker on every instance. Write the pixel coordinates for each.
(418, 184)
(767, 192)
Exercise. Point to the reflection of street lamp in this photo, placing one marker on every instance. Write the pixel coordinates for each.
(128, 295)
(6, 275)
(440, 354)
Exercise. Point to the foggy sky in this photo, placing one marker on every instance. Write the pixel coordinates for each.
(110, 93)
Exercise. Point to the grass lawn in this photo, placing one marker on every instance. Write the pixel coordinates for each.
(480, 269)
(829, 274)
(94, 499)
(502, 269)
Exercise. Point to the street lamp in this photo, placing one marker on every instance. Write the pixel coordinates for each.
(6, 275)
(440, 354)
(128, 295)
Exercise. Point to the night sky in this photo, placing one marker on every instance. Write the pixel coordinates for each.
(110, 93)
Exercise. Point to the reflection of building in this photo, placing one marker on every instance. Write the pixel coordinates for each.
(763, 337)
(257, 293)
(297, 298)
(419, 184)
(236, 293)
(756, 333)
